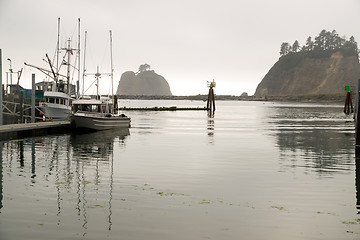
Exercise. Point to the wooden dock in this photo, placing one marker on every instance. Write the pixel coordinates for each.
(173, 108)
(18, 131)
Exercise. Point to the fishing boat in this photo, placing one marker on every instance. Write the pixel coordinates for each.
(56, 105)
(59, 94)
(97, 114)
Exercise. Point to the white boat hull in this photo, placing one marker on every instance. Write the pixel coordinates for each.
(55, 111)
(98, 121)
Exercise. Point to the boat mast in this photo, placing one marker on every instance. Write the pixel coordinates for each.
(112, 69)
(97, 76)
(57, 53)
(69, 52)
(83, 77)
(78, 56)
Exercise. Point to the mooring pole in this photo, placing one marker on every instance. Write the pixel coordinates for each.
(357, 98)
(357, 121)
(33, 159)
(210, 106)
(21, 101)
(33, 99)
(1, 91)
(346, 107)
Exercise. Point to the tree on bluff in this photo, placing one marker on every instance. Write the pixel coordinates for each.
(325, 41)
(143, 68)
(285, 49)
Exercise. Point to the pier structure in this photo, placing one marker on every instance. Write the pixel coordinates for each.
(17, 131)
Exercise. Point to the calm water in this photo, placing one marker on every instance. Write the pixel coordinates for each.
(253, 171)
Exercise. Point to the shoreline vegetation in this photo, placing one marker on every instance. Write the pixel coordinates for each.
(330, 98)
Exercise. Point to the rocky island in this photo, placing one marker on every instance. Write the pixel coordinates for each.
(145, 82)
(322, 67)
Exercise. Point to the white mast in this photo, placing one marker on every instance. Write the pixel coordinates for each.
(78, 55)
(68, 51)
(83, 77)
(97, 76)
(112, 69)
(57, 53)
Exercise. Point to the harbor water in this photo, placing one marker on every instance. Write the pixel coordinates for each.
(254, 170)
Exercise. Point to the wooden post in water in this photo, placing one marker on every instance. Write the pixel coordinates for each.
(21, 101)
(357, 121)
(348, 102)
(33, 99)
(1, 92)
(211, 98)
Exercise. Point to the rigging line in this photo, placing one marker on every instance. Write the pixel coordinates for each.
(90, 86)
(74, 70)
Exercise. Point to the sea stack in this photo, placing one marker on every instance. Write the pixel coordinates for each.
(145, 82)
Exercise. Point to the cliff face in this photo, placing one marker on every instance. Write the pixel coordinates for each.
(146, 83)
(296, 74)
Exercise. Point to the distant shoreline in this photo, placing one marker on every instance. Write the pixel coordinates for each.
(333, 98)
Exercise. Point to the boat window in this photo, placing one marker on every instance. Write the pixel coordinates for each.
(93, 108)
(76, 108)
(85, 107)
(51, 100)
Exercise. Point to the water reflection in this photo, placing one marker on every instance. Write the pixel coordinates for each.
(95, 147)
(77, 170)
(317, 139)
(210, 128)
(357, 183)
(96, 144)
(1, 176)
(21, 152)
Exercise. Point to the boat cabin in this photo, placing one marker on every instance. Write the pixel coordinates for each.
(57, 98)
(92, 105)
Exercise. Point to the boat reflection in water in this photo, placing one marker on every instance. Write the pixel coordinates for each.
(67, 181)
(96, 149)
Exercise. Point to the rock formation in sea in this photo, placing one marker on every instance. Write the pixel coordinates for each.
(145, 82)
(300, 73)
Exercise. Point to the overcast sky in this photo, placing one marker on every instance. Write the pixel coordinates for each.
(189, 42)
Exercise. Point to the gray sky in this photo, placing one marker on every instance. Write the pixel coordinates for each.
(189, 42)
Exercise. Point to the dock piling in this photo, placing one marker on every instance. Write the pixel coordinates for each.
(348, 108)
(1, 91)
(21, 103)
(211, 98)
(33, 99)
(357, 122)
